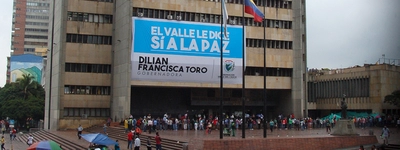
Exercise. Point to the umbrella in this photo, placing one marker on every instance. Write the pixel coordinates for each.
(98, 138)
(44, 145)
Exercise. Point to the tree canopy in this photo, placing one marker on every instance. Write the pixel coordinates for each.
(393, 98)
(22, 99)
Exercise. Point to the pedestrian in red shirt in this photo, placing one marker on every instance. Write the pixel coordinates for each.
(158, 141)
(130, 139)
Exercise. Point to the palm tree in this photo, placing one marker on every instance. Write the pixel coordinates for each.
(393, 98)
(27, 84)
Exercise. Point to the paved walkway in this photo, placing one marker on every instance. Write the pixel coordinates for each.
(14, 144)
(187, 135)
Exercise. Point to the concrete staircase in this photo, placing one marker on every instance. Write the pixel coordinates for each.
(118, 132)
(44, 135)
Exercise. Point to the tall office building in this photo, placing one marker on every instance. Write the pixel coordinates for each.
(117, 58)
(29, 29)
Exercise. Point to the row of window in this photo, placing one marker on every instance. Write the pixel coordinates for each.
(89, 39)
(37, 17)
(269, 43)
(35, 43)
(87, 17)
(35, 37)
(87, 90)
(37, 4)
(91, 68)
(37, 23)
(37, 10)
(267, 3)
(335, 89)
(36, 30)
(209, 18)
(258, 71)
(110, 1)
(29, 49)
(86, 112)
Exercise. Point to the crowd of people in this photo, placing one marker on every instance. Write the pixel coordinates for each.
(150, 123)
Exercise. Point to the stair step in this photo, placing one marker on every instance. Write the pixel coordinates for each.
(119, 133)
(44, 135)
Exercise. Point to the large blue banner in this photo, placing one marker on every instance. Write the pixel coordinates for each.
(170, 50)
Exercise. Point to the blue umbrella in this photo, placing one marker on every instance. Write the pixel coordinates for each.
(98, 138)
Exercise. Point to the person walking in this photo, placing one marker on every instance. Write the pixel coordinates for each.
(116, 146)
(130, 140)
(158, 141)
(29, 140)
(80, 129)
(137, 143)
(3, 141)
(385, 135)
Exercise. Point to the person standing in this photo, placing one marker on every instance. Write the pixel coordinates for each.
(398, 125)
(105, 129)
(3, 141)
(116, 146)
(14, 132)
(80, 129)
(385, 135)
(29, 140)
(150, 125)
(148, 144)
(137, 143)
(233, 128)
(271, 125)
(126, 125)
(130, 139)
(158, 141)
(328, 126)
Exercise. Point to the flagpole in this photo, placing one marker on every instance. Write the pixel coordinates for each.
(265, 83)
(221, 78)
(243, 77)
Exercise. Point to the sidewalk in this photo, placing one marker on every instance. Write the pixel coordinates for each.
(14, 144)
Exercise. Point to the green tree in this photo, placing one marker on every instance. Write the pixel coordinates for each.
(27, 85)
(22, 99)
(393, 98)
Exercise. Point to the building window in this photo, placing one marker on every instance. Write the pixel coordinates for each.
(210, 18)
(110, 1)
(87, 68)
(89, 39)
(87, 17)
(87, 90)
(86, 112)
(276, 44)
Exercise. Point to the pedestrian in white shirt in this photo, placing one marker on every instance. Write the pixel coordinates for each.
(137, 143)
(30, 140)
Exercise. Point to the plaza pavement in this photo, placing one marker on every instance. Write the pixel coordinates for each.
(183, 136)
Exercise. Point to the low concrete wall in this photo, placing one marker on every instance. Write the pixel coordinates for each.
(325, 143)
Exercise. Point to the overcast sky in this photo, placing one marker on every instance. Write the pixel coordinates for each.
(340, 33)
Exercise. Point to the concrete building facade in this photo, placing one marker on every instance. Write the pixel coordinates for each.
(91, 67)
(365, 88)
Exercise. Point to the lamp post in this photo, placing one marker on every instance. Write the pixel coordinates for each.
(51, 65)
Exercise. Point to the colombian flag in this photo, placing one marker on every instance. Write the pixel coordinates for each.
(251, 8)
